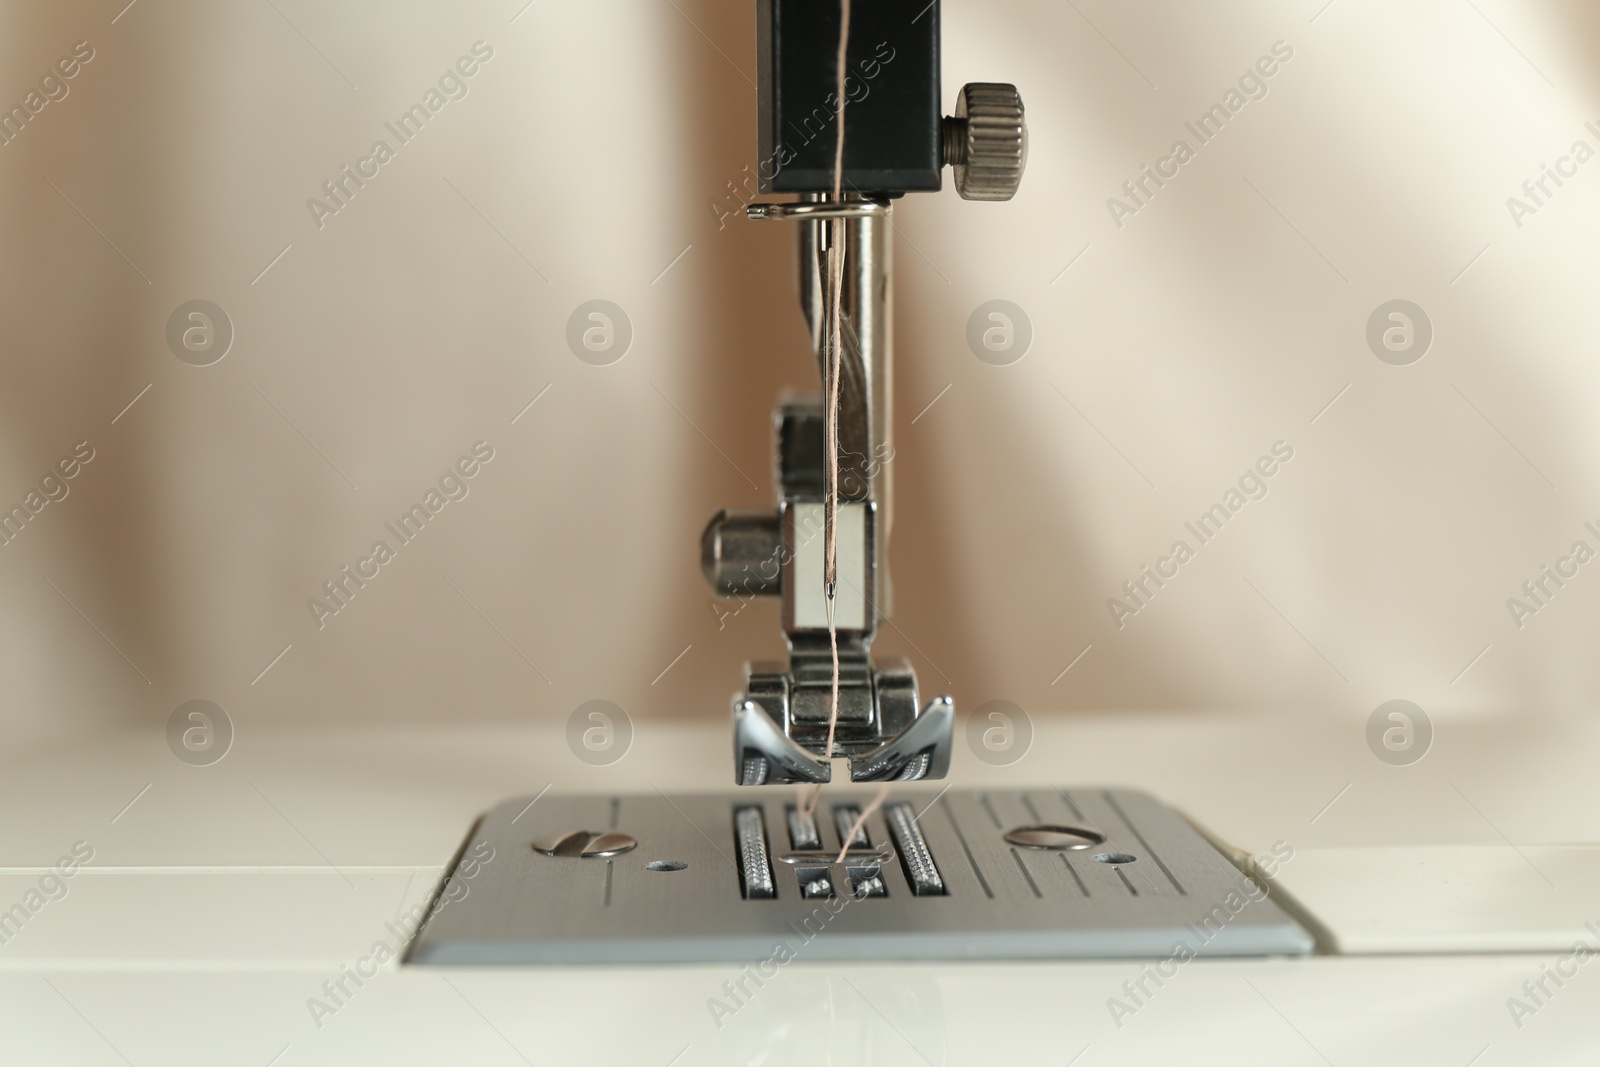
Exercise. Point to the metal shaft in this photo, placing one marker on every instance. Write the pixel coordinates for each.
(866, 384)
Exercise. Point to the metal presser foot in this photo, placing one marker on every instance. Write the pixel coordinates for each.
(895, 142)
(780, 720)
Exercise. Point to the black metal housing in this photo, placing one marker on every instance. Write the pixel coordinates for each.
(892, 93)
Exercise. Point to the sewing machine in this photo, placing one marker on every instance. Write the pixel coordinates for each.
(1267, 891)
(1016, 873)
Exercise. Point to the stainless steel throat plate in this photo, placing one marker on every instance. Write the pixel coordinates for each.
(1034, 874)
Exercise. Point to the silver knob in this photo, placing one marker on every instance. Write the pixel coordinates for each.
(986, 142)
(741, 554)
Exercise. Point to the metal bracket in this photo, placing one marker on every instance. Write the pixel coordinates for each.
(781, 717)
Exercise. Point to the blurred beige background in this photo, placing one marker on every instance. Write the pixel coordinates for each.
(585, 159)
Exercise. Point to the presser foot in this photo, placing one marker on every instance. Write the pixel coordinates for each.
(763, 754)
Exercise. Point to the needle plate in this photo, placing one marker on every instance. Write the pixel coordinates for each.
(1032, 874)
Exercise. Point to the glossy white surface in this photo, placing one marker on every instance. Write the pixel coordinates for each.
(210, 913)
